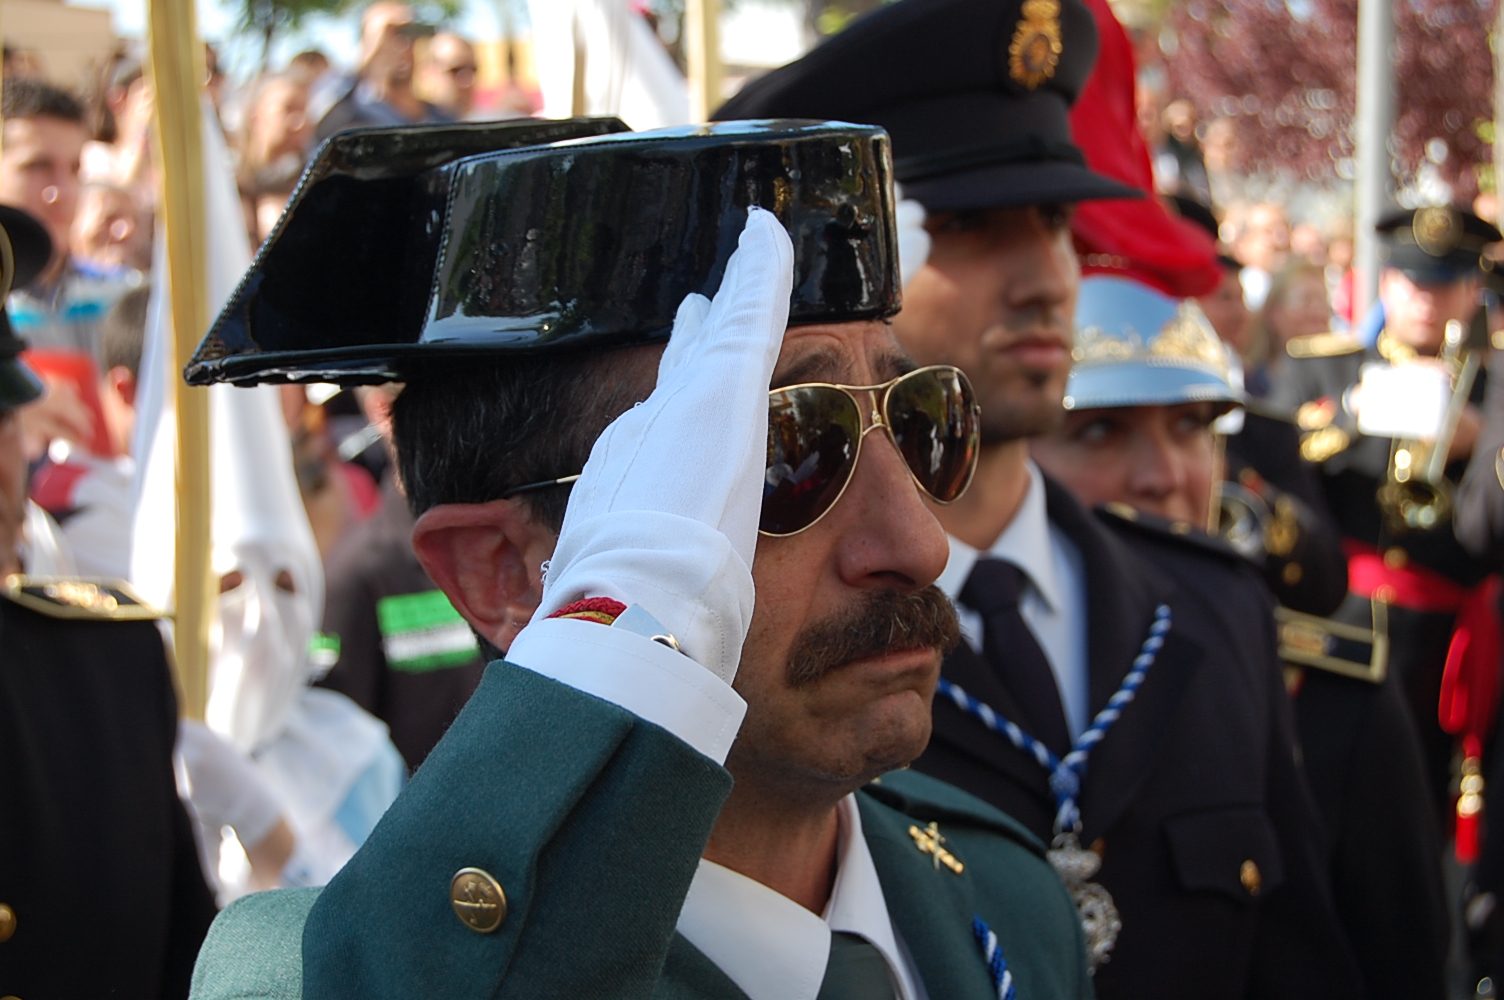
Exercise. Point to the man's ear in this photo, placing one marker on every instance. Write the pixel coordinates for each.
(124, 383)
(487, 559)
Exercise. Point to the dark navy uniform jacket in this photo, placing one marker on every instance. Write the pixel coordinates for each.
(1314, 389)
(97, 859)
(1210, 844)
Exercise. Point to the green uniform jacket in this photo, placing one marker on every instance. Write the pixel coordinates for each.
(593, 821)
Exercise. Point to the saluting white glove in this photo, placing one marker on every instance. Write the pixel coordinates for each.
(665, 513)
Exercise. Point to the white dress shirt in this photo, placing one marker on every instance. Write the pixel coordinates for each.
(766, 943)
(1053, 604)
(775, 949)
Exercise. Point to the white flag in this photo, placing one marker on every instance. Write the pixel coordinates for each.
(260, 531)
(627, 72)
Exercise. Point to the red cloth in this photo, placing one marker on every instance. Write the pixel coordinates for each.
(1134, 239)
(1470, 680)
(52, 486)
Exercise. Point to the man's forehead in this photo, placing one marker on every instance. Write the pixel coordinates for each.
(844, 353)
(41, 127)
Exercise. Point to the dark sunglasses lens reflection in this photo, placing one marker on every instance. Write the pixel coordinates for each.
(812, 442)
(814, 432)
(934, 419)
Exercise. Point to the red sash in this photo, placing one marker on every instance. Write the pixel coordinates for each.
(1470, 681)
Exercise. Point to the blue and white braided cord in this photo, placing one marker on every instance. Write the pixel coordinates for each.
(992, 954)
(1065, 774)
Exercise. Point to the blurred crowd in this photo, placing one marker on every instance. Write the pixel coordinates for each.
(334, 675)
(83, 164)
(1287, 255)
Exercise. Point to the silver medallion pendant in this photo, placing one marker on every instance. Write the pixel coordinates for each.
(1100, 922)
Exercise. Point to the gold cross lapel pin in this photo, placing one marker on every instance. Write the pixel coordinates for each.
(929, 841)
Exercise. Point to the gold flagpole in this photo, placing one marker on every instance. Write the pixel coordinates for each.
(177, 72)
(702, 50)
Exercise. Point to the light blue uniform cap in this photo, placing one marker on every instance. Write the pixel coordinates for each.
(1139, 347)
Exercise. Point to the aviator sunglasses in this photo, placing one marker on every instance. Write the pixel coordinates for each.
(815, 435)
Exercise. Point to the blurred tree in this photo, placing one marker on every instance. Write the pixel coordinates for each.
(1284, 71)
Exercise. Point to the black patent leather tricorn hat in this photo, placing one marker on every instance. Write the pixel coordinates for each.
(378, 272)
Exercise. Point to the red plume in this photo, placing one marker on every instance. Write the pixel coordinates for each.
(1135, 239)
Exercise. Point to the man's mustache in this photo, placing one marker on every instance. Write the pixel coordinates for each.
(885, 621)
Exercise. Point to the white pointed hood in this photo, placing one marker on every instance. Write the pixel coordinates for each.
(627, 72)
(262, 542)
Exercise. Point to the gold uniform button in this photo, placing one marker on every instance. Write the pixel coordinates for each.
(478, 900)
(1396, 558)
(7, 924)
(1291, 574)
(1249, 875)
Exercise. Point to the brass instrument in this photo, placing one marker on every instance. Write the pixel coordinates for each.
(1417, 496)
(1239, 517)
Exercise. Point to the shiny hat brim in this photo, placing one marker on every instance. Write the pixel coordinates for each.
(19, 385)
(1144, 383)
(1425, 269)
(1015, 185)
(1433, 275)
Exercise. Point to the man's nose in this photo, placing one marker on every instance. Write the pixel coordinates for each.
(1040, 264)
(889, 536)
(1157, 469)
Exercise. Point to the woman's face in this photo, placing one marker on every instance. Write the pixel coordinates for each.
(1157, 459)
(1303, 310)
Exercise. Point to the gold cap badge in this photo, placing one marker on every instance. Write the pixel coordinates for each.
(1035, 50)
(1437, 230)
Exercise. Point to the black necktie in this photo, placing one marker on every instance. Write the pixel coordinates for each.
(856, 971)
(1010, 649)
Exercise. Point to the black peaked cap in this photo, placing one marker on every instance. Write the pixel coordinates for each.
(975, 94)
(1435, 245)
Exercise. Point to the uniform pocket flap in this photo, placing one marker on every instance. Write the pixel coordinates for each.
(1231, 851)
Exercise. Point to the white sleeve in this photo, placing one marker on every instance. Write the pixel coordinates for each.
(647, 678)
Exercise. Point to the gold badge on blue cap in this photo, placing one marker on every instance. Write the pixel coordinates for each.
(1035, 50)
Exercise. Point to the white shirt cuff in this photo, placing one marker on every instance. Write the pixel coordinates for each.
(647, 678)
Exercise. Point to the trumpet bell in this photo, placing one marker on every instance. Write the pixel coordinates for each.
(1415, 504)
(1241, 519)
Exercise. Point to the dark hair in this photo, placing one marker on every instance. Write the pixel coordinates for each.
(124, 331)
(467, 434)
(35, 99)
